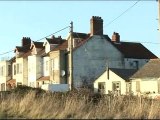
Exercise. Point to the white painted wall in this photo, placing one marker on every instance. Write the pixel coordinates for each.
(149, 85)
(108, 82)
(89, 60)
(23, 76)
(13, 70)
(47, 47)
(133, 87)
(146, 85)
(46, 70)
(4, 77)
(34, 69)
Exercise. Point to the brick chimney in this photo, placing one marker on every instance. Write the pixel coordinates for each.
(26, 41)
(96, 25)
(115, 37)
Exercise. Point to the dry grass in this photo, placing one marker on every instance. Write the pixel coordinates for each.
(77, 105)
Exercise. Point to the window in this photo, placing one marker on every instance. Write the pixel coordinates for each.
(116, 87)
(14, 69)
(9, 70)
(128, 87)
(46, 65)
(1, 70)
(19, 68)
(19, 83)
(101, 87)
(3, 87)
(136, 64)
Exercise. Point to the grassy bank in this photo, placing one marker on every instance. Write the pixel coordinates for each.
(38, 104)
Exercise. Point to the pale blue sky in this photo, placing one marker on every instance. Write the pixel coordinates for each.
(37, 19)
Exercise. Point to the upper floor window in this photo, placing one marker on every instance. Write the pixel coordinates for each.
(14, 68)
(9, 70)
(136, 64)
(1, 70)
(19, 68)
(47, 65)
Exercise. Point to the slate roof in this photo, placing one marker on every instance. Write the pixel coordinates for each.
(26, 54)
(21, 49)
(63, 46)
(55, 40)
(80, 35)
(38, 44)
(128, 49)
(124, 73)
(134, 50)
(149, 70)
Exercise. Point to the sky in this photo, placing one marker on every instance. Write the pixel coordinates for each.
(38, 19)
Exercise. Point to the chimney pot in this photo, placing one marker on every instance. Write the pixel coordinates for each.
(26, 41)
(52, 37)
(115, 37)
(96, 25)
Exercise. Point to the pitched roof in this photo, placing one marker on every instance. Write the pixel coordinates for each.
(149, 70)
(26, 54)
(124, 73)
(41, 52)
(43, 78)
(21, 49)
(13, 59)
(38, 44)
(63, 46)
(54, 40)
(134, 50)
(11, 81)
(80, 35)
(128, 49)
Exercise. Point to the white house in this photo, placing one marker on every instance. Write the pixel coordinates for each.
(5, 74)
(35, 63)
(114, 81)
(58, 57)
(49, 45)
(92, 55)
(20, 67)
(147, 79)
(11, 83)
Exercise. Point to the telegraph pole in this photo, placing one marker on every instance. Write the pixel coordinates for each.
(71, 57)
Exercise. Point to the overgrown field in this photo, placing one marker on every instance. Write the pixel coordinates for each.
(37, 104)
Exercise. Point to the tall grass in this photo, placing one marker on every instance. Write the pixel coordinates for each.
(83, 105)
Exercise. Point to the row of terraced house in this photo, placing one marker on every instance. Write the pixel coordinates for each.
(100, 62)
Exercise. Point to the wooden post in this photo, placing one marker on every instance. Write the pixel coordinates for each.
(71, 57)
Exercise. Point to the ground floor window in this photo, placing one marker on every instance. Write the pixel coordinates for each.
(19, 83)
(116, 87)
(101, 87)
(3, 87)
(128, 88)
